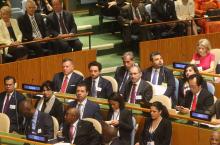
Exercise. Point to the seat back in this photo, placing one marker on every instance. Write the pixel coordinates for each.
(113, 82)
(163, 99)
(217, 54)
(5, 123)
(55, 126)
(176, 88)
(152, 87)
(211, 88)
(79, 73)
(148, 9)
(95, 123)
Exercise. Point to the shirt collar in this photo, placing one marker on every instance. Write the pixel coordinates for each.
(75, 123)
(35, 115)
(83, 102)
(69, 75)
(97, 79)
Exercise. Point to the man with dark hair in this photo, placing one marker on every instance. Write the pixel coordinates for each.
(62, 23)
(198, 98)
(137, 90)
(157, 74)
(36, 122)
(66, 81)
(78, 131)
(122, 72)
(9, 100)
(87, 108)
(97, 85)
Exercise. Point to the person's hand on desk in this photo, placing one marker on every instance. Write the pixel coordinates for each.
(183, 110)
(216, 120)
(35, 39)
(114, 122)
(110, 4)
(136, 21)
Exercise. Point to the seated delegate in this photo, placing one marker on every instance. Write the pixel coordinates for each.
(203, 59)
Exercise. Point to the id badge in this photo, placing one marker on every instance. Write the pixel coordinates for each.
(150, 143)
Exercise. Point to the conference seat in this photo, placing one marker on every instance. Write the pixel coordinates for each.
(211, 88)
(216, 51)
(79, 73)
(166, 101)
(154, 91)
(95, 123)
(55, 126)
(113, 82)
(5, 123)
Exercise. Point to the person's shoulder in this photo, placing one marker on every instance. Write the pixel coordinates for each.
(92, 103)
(76, 75)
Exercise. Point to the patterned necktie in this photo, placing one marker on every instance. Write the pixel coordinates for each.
(6, 106)
(194, 103)
(64, 85)
(62, 25)
(80, 107)
(35, 28)
(93, 89)
(133, 93)
(154, 79)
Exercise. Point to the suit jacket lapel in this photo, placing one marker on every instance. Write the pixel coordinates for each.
(139, 88)
(85, 111)
(56, 21)
(161, 76)
(99, 86)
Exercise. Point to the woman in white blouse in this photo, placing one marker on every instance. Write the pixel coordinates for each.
(185, 10)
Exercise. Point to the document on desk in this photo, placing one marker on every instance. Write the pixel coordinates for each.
(210, 125)
(159, 89)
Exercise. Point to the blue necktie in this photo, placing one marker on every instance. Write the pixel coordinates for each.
(154, 79)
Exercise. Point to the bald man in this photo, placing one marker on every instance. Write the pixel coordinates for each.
(78, 131)
(215, 138)
(137, 91)
(37, 122)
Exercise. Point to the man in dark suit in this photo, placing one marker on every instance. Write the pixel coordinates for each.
(33, 28)
(78, 131)
(111, 8)
(137, 90)
(198, 98)
(87, 108)
(163, 11)
(157, 74)
(66, 81)
(131, 17)
(61, 23)
(122, 72)
(9, 100)
(97, 85)
(36, 122)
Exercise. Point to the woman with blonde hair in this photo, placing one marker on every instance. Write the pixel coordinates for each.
(11, 35)
(203, 59)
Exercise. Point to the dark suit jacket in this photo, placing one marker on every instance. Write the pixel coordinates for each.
(13, 114)
(144, 89)
(119, 74)
(165, 76)
(181, 97)
(204, 100)
(120, 3)
(125, 125)
(56, 110)
(44, 125)
(126, 14)
(26, 27)
(53, 23)
(161, 136)
(73, 82)
(159, 14)
(106, 86)
(91, 110)
(85, 134)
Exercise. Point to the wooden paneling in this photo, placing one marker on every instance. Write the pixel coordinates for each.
(8, 69)
(47, 72)
(36, 71)
(29, 71)
(184, 134)
(204, 135)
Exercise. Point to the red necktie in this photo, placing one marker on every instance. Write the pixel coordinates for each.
(133, 94)
(71, 133)
(6, 106)
(194, 103)
(64, 85)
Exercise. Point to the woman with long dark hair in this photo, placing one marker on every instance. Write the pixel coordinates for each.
(157, 128)
(121, 119)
